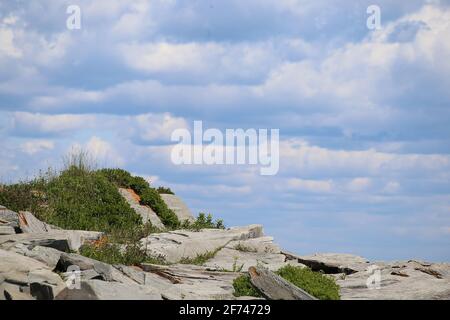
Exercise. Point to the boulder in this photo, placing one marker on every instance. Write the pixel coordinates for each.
(28, 223)
(6, 230)
(46, 255)
(180, 281)
(410, 280)
(145, 212)
(178, 207)
(102, 290)
(106, 271)
(175, 245)
(62, 240)
(9, 217)
(22, 276)
(331, 263)
(242, 254)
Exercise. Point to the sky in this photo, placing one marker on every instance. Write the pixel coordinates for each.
(363, 113)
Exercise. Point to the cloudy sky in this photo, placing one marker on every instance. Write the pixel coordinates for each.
(363, 114)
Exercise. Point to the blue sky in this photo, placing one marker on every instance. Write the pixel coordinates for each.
(363, 114)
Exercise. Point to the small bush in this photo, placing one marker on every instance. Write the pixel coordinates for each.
(164, 190)
(315, 283)
(200, 258)
(130, 255)
(243, 287)
(203, 221)
(151, 198)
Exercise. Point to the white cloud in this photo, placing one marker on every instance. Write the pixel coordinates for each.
(35, 146)
(359, 184)
(310, 185)
(103, 152)
(26, 122)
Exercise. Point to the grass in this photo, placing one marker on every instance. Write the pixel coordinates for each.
(244, 248)
(164, 190)
(112, 253)
(315, 283)
(243, 287)
(200, 258)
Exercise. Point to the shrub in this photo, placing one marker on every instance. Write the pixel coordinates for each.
(243, 287)
(203, 221)
(164, 190)
(315, 283)
(129, 254)
(149, 196)
(200, 258)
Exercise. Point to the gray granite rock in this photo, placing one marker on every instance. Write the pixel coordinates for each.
(178, 207)
(6, 230)
(175, 245)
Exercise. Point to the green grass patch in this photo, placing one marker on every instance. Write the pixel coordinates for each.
(315, 283)
(243, 287)
(200, 258)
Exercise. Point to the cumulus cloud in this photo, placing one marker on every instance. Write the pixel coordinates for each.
(35, 146)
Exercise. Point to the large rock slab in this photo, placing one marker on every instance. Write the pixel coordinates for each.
(102, 290)
(178, 207)
(331, 263)
(240, 255)
(62, 240)
(9, 217)
(46, 255)
(190, 282)
(22, 276)
(6, 230)
(410, 280)
(175, 245)
(28, 223)
(145, 212)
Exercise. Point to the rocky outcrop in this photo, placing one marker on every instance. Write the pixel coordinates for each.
(178, 245)
(178, 207)
(37, 262)
(145, 212)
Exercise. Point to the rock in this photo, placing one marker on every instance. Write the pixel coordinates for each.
(62, 240)
(241, 255)
(9, 217)
(145, 212)
(106, 271)
(274, 287)
(102, 290)
(46, 255)
(175, 245)
(409, 280)
(331, 263)
(179, 282)
(178, 207)
(28, 223)
(57, 241)
(27, 274)
(6, 230)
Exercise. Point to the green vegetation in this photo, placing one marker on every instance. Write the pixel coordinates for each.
(244, 248)
(74, 199)
(200, 258)
(243, 287)
(203, 221)
(315, 283)
(164, 190)
(149, 196)
(130, 255)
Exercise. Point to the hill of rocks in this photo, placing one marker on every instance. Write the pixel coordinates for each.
(179, 257)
